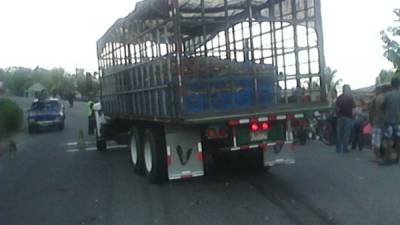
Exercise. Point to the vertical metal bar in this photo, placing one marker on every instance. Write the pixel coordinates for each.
(186, 48)
(146, 55)
(261, 43)
(234, 135)
(212, 46)
(170, 110)
(307, 19)
(296, 45)
(155, 97)
(136, 84)
(250, 8)
(108, 55)
(252, 61)
(243, 41)
(274, 50)
(283, 43)
(168, 55)
(202, 5)
(227, 25)
(140, 74)
(129, 54)
(321, 54)
(194, 44)
(124, 45)
(113, 53)
(154, 94)
(234, 43)
(161, 74)
(133, 107)
(203, 22)
(219, 46)
(148, 79)
(178, 50)
(135, 53)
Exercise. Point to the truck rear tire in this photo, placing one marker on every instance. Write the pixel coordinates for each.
(136, 149)
(61, 126)
(154, 154)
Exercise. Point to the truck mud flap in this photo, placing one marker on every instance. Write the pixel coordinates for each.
(279, 154)
(184, 152)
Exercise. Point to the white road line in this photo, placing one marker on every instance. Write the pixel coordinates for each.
(72, 150)
(71, 143)
(117, 146)
(94, 148)
(76, 143)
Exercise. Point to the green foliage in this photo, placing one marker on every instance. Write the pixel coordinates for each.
(385, 76)
(11, 117)
(332, 83)
(57, 81)
(391, 38)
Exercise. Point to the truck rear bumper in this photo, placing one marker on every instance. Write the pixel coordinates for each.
(263, 146)
(274, 153)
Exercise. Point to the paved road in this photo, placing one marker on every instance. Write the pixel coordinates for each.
(51, 183)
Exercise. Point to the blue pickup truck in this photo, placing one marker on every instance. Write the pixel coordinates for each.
(47, 113)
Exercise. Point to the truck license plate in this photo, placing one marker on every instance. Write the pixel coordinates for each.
(258, 136)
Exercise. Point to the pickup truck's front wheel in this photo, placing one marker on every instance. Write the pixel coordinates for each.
(31, 129)
(154, 152)
(61, 126)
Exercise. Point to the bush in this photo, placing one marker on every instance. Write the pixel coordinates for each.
(11, 117)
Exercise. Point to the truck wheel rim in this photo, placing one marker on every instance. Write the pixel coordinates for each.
(148, 157)
(133, 150)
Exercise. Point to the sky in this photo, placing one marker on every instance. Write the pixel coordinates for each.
(63, 33)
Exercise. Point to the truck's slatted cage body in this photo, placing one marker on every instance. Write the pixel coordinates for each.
(189, 60)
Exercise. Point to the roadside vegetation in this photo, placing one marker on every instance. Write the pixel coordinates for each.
(57, 81)
(391, 41)
(11, 117)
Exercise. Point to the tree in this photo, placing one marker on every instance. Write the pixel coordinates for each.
(18, 79)
(2, 75)
(57, 81)
(391, 38)
(332, 84)
(385, 76)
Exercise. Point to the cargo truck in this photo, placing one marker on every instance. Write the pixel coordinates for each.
(190, 79)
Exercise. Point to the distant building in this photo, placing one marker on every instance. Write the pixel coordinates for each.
(365, 94)
(35, 90)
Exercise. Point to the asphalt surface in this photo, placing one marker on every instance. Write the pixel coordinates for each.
(51, 182)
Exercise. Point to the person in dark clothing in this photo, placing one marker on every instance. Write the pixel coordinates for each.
(360, 120)
(344, 109)
(91, 117)
(377, 118)
(391, 134)
(71, 100)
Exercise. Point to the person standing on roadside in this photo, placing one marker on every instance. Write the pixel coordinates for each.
(71, 99)
(391, 108)
(377, 119)
(344, 109)
(91, 117)
(360, 119)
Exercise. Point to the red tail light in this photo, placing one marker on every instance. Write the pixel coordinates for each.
(265, 126)
(254, 127)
